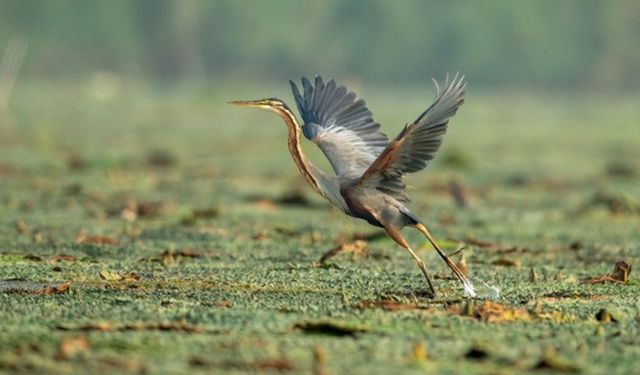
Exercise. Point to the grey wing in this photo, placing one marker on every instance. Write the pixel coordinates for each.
(417, 144)
(340, 125)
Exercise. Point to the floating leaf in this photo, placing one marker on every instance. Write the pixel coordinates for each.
(620, 274)
(294, 198)
(331, 328)
(265, 204)
(202, 213)
(63, 257)
(462, 265)
(493, 312)
(605, 316)
(506, 262)
(275, 364)
(476, 353)
(132, 210)
(113, 276)
(138, 326)
(24, 286)
(82, 238)
(551, 360)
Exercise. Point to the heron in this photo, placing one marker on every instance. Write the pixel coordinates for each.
(369, 168)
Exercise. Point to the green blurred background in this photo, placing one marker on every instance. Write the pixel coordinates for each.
(117, 128)
(552, 86)
(550, 44)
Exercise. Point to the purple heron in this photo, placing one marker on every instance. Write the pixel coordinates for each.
(369, 168)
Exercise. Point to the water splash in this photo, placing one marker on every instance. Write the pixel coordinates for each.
(494, 291)
(470, 290)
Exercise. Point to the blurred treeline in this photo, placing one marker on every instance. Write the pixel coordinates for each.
(546, 43)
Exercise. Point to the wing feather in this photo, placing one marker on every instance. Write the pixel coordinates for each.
(340, 125)
(417, 144)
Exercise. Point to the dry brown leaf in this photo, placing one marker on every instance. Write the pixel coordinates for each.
(168, 257)
(476, 353)
(605, 316)
(188, 253)
(114, 276)
(462, 265)
(330, 328)
(390, 305)
(265, 204)
(224, 304)
(621, 271)
(504, 262)
(82, 238)
(96, 326)
(357, 247)
(137, 326)
(24, 286)
(63, 257)
(128, 365)
(294, 198)
(620, 274)
(70, 347)
(551, 360)
(275, 364)
(493, 312)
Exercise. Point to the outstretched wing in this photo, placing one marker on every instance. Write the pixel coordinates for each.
(340, 125)
(417, 144)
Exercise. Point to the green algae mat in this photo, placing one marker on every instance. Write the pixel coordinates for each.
(170, 233)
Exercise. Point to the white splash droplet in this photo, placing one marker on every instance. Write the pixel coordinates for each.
(469, 289)
(492, 291)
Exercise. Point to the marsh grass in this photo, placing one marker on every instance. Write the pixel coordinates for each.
(219, 272)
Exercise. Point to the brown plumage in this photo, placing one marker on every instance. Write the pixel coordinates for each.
(368, 182)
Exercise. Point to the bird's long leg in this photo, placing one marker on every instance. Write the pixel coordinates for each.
(395, 234)
(463, 279)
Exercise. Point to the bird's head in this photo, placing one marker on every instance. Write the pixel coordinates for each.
(271, 104)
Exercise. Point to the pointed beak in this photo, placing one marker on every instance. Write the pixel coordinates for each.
(245, 103)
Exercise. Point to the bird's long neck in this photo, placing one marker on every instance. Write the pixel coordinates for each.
(295, 148)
